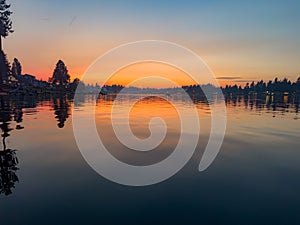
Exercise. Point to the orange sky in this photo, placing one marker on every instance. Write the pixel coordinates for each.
(136, 71)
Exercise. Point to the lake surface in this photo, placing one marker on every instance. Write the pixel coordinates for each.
(255, 179)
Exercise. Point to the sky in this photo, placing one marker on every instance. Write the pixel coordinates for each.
(239, 40)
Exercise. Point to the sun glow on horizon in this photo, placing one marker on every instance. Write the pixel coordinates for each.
(150, 70)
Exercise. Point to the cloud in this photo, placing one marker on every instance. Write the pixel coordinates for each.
(228, 78)
(244, 81)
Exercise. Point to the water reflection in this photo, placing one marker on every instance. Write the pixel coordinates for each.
(13, 109)
(8, 157)
(61, 105)
(259, 157)
(11, 118)
(8, 168)
(277, 104)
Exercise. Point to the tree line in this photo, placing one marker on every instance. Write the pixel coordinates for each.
(272, 86)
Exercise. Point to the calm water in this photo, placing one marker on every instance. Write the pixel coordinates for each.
(254, 180)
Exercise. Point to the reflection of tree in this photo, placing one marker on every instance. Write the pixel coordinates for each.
(18, 116)
(8, 158)
(276, 103)
(62, 110)
(8, 168)
(5, 132)
(5, 118)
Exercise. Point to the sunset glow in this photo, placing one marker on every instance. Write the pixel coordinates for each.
(258, 43)
(133, 72)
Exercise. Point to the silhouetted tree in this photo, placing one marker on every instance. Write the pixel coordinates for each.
(4, 68)
(60, 74)
(74, 85)
(5, 22)
(297, 85)
(284, 86)
(270, 86)
(252, 85)
(16, 69)
(76, 81)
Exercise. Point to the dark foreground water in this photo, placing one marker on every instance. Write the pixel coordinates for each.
(254, 180)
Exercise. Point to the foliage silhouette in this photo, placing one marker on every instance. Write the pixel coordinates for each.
(4, 68)
(16, 69)
(60, 74)
(284, 86)
(5, 21)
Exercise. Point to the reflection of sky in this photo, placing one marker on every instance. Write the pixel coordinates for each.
(256, 171)
(250, 39)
